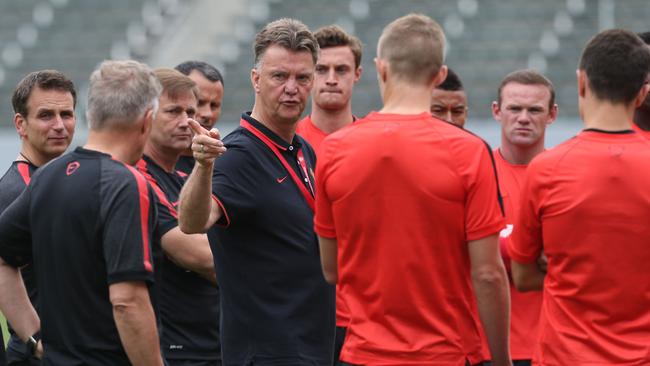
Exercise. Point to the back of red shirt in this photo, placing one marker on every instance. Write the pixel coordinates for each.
(586, 204)
(525, 307)
(402, 195)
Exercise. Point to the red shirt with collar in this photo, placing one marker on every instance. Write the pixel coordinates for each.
(315, 136)
(525, 307)
(308, 130)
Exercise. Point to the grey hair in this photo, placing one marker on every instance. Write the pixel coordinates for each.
(120, 92)
(289, 33)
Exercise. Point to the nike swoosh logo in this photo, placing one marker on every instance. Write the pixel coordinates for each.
(280, 180)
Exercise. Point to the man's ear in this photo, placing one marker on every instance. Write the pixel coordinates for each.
(255, 80)
(357, 73)
(20, 123)
(582, 82)
(496, 111)
(440, 77)
(147, 122)
(642, 95)
(382, 69)
(552, 114)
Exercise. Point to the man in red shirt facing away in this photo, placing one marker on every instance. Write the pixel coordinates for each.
(526, 105)
(586, 205)
(337, 70)
(642, 113)
(407, 214)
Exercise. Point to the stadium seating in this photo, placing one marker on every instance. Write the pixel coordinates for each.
(487, 39)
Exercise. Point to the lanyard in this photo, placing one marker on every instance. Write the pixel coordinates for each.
(308, 194)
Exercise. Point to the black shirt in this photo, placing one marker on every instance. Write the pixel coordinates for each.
(189, 304)
(185, 165)
(87, 221)
(277, 308)
(12, 185)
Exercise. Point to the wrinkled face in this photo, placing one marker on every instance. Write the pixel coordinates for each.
(49, 125)
(171, 131)
(282, 83)
(208, 110)
(334, 78)
(450, 106)
(524, 113)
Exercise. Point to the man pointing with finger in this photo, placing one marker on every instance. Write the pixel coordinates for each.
(276, 306)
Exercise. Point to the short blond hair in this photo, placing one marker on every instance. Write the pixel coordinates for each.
(413, 46)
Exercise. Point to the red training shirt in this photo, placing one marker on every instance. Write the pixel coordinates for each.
(402, 195)
(586, 203)
(525, 307)
(315, 136)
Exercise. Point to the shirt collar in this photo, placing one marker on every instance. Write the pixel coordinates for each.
(295, 145)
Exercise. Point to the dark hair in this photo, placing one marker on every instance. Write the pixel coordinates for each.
(289, 33)
(335, 36)
(452, 82)
(616, 62)
(210, 72)
(528, 77)
(645, 36)
(45, 80)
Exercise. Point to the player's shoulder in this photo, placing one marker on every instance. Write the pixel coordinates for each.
(551, 156)
(10, 176)
(239, 139)
(302, 125)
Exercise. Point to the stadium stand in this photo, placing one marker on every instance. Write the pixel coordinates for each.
(487, 39)
(73, 36)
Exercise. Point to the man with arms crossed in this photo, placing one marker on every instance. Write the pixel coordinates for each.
(43, 103)
(586, 205)
(525, 106)
(416, 197)
(337, 70)
(449, 100)
(90, 217)
(276, 307)
(189, 303)
(210, 83)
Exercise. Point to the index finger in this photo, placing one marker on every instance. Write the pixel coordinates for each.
(197, 128)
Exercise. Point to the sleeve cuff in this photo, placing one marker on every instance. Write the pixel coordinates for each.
(224, 220)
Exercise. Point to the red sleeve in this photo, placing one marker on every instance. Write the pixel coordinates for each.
(483, 213)
(526, 242)
(323, 218)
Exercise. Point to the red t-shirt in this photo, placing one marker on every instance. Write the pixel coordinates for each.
(586, 203)
(525, 307)
(308, 130)
(402, 195)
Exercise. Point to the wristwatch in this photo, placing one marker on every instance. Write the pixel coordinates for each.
(32, 343)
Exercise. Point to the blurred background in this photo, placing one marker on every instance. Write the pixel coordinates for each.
(486, 40)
